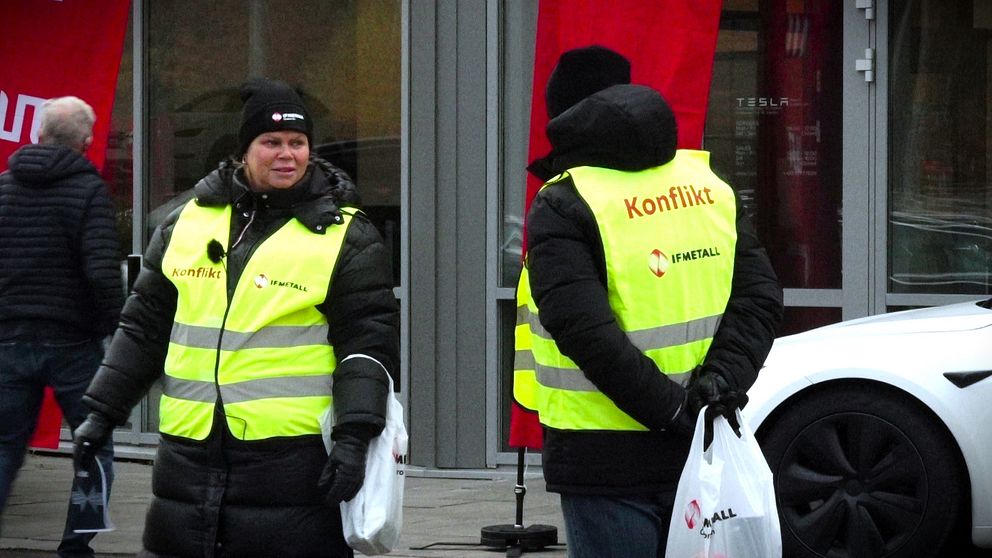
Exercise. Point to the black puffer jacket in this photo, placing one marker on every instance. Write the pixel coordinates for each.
(631, 128)
(227, 497)
(60, 264)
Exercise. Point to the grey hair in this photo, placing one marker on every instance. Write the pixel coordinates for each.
(66, 121)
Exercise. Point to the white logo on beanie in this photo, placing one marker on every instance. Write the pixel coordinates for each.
(280, 116)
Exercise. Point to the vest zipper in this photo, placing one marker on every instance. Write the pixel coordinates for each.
(231, 287)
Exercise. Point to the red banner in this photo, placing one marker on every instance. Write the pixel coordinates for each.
(56, 48)
(670, 45)
(46, 433)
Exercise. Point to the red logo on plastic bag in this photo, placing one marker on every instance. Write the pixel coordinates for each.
(692, 513)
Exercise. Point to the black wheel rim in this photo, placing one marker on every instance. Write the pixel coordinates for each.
(851, 485)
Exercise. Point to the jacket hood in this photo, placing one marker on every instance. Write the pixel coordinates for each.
(44, 164)
(623, 127)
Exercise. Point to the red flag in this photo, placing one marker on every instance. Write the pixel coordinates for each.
(670, 45)
(54, 48)
(46, 433)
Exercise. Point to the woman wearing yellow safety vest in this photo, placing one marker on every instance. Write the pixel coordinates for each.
(261, 304)
(651, 296)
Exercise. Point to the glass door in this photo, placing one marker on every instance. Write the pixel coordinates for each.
(939, 213)
(776, 133)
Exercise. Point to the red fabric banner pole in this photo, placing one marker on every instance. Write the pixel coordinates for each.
(670, 45)
(54, 48)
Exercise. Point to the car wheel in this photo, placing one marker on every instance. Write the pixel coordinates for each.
(861, 471)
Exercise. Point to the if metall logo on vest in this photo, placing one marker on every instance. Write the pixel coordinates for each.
(261, 282)
(659, 262)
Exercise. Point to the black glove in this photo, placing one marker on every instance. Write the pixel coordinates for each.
(711, 390)
(706, 388)
(89, 437)
(345, 470)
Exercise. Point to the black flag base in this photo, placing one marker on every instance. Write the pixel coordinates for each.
(516, 538)
(534, 537)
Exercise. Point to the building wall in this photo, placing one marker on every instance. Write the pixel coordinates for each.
(430, 99)
(448, 245)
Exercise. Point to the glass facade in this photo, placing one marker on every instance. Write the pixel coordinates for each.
(118, 165)
(771, 132)
(781, 102)
(940, 99)
(774, 135)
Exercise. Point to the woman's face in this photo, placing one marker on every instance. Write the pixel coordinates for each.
(276, 160)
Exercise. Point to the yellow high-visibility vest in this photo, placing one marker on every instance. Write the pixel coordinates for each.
(669, 235)
(264, 352)
(524, 381)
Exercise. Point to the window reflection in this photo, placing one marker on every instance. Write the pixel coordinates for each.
(118, 164)
(940, 201)
(774, 131)
(343, 55)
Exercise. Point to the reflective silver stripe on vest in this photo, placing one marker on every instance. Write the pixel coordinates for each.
(568, 379)
(251, 390)
(660, 337)
(523, 360)
(189, 390)
(524, 315)
(271, 337)
(572, 379)
(675, 334)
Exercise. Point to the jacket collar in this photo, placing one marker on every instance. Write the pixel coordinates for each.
(313, 201)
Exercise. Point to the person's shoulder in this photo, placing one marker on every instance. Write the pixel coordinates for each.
(85, 185)
(559, 190)
(361, 229)
(563, 176)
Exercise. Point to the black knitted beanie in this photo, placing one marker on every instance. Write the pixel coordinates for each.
(580, 72)
(271, 106)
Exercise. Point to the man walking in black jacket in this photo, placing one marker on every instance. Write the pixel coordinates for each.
(60, 286)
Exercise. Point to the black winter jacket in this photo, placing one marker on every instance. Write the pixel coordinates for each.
(631, 128)
(228, 497)
(60, 264)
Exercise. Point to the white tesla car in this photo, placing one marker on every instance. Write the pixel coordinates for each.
(879, 433)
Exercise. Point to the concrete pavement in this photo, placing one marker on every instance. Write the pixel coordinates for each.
(442, 516)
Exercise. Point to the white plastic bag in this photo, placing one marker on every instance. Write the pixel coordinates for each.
(373, 518)
(725, 503)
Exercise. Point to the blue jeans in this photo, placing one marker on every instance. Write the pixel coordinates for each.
(25, 370)
(617, 526)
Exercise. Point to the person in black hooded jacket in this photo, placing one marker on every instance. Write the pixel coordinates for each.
(617, 485)
(60, 286)
(251, 361)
